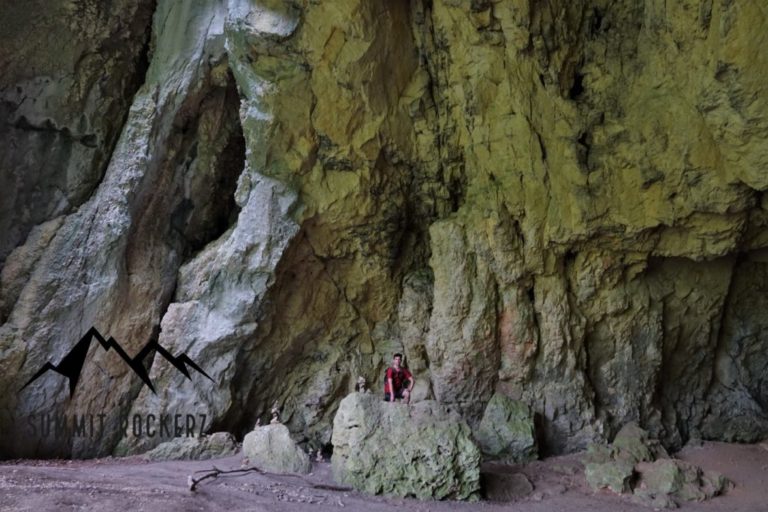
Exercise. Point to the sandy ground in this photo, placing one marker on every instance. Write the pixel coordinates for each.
(134, 484)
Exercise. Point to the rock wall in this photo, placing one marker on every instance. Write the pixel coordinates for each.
(70, 70)
(561, 202)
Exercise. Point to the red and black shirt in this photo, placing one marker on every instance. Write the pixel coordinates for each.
(399, 378)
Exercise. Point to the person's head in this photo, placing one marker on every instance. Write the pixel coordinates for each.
(397, 360)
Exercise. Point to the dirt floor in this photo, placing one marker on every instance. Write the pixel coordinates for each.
(135, 484)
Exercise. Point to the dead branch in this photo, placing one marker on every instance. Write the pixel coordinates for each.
(216, 472)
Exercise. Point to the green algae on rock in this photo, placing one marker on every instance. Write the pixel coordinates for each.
(637, 465)
(420, 450)
(506, 430)
(562, 202)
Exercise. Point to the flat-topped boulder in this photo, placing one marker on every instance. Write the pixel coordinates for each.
(421, 450)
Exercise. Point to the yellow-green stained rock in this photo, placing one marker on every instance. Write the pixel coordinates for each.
(678, 481)
(506, 430)
(637, 464)
(560, 202)
(616, 476)
(418, 450)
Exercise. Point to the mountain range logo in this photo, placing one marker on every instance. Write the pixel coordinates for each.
(71, 364)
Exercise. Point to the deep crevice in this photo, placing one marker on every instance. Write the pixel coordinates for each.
(583, 150)
(211, 209)
(577, 88)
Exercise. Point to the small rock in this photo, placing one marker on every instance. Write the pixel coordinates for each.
(505, 486)
(633, 444)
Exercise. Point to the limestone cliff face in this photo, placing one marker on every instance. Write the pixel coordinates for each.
(69, 72)
(562, 202)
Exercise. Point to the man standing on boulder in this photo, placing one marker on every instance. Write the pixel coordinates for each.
(398, 381)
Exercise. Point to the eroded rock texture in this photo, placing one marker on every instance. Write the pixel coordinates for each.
(70, 70)
(561, 202)
(420, 450)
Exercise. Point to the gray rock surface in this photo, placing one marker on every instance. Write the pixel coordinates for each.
(637, 465)
(562, 202)
(69, 75)
(218, 444)
(271, 448)
(418, 450)
(506, 431)
(113, 263)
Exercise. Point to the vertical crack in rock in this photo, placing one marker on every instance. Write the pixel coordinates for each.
(208, 151)
(131, 89)
(214, 160)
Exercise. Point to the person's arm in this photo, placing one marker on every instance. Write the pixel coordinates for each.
(391, 390)
(409, 375)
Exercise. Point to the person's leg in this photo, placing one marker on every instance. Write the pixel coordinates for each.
(406, 394)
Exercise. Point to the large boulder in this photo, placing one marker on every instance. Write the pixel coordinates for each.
(271, 448)
(506, 430)
(420, 450)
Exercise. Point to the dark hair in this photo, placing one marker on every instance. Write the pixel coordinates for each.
(397, 354)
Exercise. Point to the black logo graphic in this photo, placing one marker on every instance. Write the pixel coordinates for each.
(72, 363)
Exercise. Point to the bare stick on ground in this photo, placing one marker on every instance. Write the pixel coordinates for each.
(216, 472)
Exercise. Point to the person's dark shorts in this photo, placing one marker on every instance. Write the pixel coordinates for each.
(398, 393)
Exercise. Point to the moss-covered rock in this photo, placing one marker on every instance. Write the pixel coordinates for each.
(613, 475)
(419, 450)
(634, 445)
(506, 430)
(677, 481)
(637, 465)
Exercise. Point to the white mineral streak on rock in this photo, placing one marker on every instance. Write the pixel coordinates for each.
(85, 278)
(220, 290)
